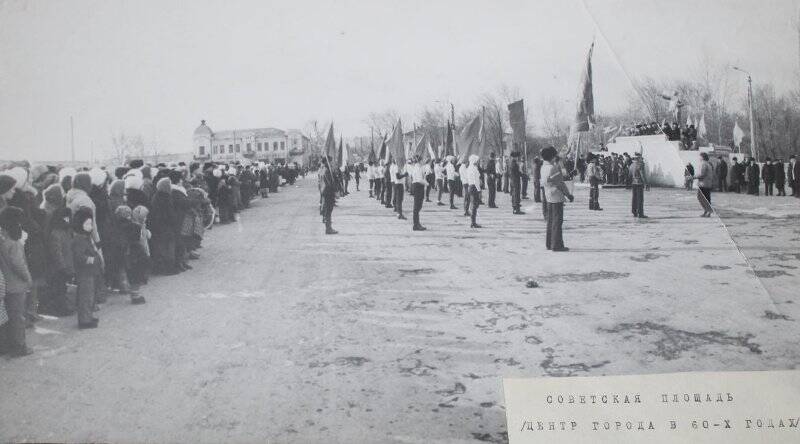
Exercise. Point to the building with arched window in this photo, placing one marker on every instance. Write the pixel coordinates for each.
(257, 144)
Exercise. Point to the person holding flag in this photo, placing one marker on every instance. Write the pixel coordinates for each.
(462, 172)
(438, 173)
(327, 190)
(451, 179)
(398, 183)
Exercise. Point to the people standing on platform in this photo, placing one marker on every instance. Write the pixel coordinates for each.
(705, 183)
(472, 176)
(450, 169)
(515, 184)
(721, 174)
(638, 183)
(416, 172)
(555, 193)
(491, 176)
(439, 175)
(595, 175)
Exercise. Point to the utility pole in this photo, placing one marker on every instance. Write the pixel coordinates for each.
(753, 148)
(72, 138)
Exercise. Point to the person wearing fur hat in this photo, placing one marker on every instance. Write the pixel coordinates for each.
(116, 194)
(162, 219)
(148, 187)
(183, 208)
(7, 189)
(17, 277)
(86, 262)
(60, 269)
(119, 172)
(78, 197)
(134, 196)
(136, 163)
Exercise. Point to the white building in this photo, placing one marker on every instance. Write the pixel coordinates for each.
(264, 144)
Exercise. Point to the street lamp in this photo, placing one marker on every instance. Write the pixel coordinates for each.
(753, 151)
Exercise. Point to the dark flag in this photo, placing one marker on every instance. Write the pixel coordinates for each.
(584, 117)
(330, 145)
(449, 148)
(396, 148)
(382, 153)
(516, 112)
(339, 154)
(371, 157)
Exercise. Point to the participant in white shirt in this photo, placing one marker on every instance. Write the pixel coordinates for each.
(462, 171)
(398, 180)
(450, 169)
(439, 176)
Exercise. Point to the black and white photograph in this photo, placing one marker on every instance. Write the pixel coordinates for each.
(355, 221)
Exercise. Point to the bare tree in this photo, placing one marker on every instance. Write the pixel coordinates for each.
(124, 147)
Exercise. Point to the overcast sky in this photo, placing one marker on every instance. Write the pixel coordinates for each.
(156, 68)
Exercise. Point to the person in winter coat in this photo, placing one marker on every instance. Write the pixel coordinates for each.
(125, 234)
(35, 255)
(134, 196)
(17, 277)
(182, 206)
(139, 271)
(780, 176)
(162, 217)
(768, 175)
(224, 201)
(78, 197)
(86, 261)
(60, 269)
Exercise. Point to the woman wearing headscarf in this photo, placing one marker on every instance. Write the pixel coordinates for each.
(162, 217)
(17, 277)
(139, 270)
(86, 260)
(33, 220)
(60, 269)
(182, 205)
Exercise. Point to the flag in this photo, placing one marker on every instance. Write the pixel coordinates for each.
(421, 148)
(516, 116)
(339, 155)
(431, 153)
(395, 147)
(330, 145)
(738, 134)
(345, 156)
(584, 116)
(701, 127)
(371, 156)
(470, 139)
(689, 121)
(449, 146)
(382, 154)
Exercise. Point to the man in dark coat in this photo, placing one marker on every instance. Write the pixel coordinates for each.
(327, 190)
(780, 177)
(515, 183)
(768, 175)
(491, 173)
(721, 174)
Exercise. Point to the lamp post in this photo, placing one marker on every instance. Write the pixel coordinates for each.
(753, 151)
